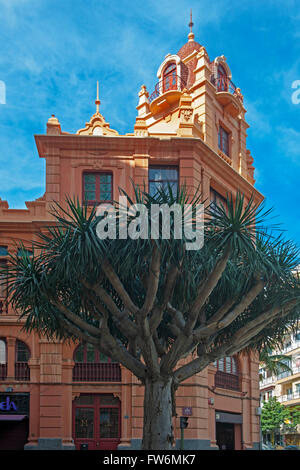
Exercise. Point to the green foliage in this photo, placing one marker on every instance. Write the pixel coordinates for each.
(274, 415)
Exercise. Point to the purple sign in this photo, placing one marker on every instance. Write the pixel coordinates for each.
(8, 405)
(187, 411)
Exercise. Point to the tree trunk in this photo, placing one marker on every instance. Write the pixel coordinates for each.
(158, 428)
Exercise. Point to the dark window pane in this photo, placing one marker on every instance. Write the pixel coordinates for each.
(89, 178)
(105, 178)
(3, 250)
(85, 400)
(22, 352)
(109, 423)
(102, 357)
(90, 353)
(90, 195)
(79, 354)
(107, 400)
(3, 277)
(90, 187)
(23, 252)
(84, 423)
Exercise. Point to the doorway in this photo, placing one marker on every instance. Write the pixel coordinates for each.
(225, 436)
(96, 422)
(13, 434)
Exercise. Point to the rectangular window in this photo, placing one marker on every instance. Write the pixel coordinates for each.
(3, 279)
(3, 250)
(216, 199)
(161, 177)
(97, 188)
(223, 140)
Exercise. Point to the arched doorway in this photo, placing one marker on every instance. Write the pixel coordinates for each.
(170, 78)
(96, 422)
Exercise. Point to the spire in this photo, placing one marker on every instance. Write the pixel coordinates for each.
(191, 35)
(97, 102)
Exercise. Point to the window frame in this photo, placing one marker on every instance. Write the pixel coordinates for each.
(163, 167)
(224, 361)
(98, 201)
(97, 355)
(222, 130)
(169, 77)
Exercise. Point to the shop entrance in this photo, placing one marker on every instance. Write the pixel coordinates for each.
(96, 422)
(225, 436)
(13, 433)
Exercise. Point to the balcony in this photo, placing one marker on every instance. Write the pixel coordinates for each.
(267, 381)
(228, 381)
(22, 371)
(288, 373)
(3, 306)
(96, 372)
(3, 371)
(228, 95)
(289, 397)
(166, 92)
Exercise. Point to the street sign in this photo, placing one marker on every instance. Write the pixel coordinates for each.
(187, 411)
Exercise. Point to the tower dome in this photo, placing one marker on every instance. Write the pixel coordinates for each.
(188, 48)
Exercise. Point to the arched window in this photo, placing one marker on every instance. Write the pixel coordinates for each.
(22, 371)
(222, 79)
(2, 351)
(3, 360)
(227, 375)
(93, 365)
(228, 365)
(170, 77)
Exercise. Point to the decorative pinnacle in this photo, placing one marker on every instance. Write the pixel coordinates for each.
(97, 102)
(191, 24)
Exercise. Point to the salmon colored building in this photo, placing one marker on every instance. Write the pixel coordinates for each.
(191, 129)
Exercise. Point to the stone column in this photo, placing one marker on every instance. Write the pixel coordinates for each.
(126, 409)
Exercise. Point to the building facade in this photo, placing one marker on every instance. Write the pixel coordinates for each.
(190, 129)
(285, 386)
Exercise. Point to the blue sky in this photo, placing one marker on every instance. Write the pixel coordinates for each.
(52, 52)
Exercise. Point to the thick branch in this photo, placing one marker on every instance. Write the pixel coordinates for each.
(152, 283)
(118, 286)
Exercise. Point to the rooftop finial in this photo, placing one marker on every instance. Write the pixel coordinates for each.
(191, 24)
(97, 102)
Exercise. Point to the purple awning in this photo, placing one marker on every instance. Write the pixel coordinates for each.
(12, 417)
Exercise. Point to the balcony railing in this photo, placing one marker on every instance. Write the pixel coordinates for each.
(167, 84)
(3, 371)
(289, 396)
(225, 84)
(22, 371)
(225, 380)
(267, 381)
(96, 372)
(287, 373)
(3, 306)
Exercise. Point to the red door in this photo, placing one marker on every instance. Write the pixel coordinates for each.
(170, 78)
(96, 422)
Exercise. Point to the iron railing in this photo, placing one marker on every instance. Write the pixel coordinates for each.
(289, 396)
(3, 371)
(224, 84)
(287, 373)
(22, 371)
(96, 372)
(168, 83)
(3, 306)
(225, 380)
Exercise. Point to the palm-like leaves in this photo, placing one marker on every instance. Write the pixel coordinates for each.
(152, 297)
